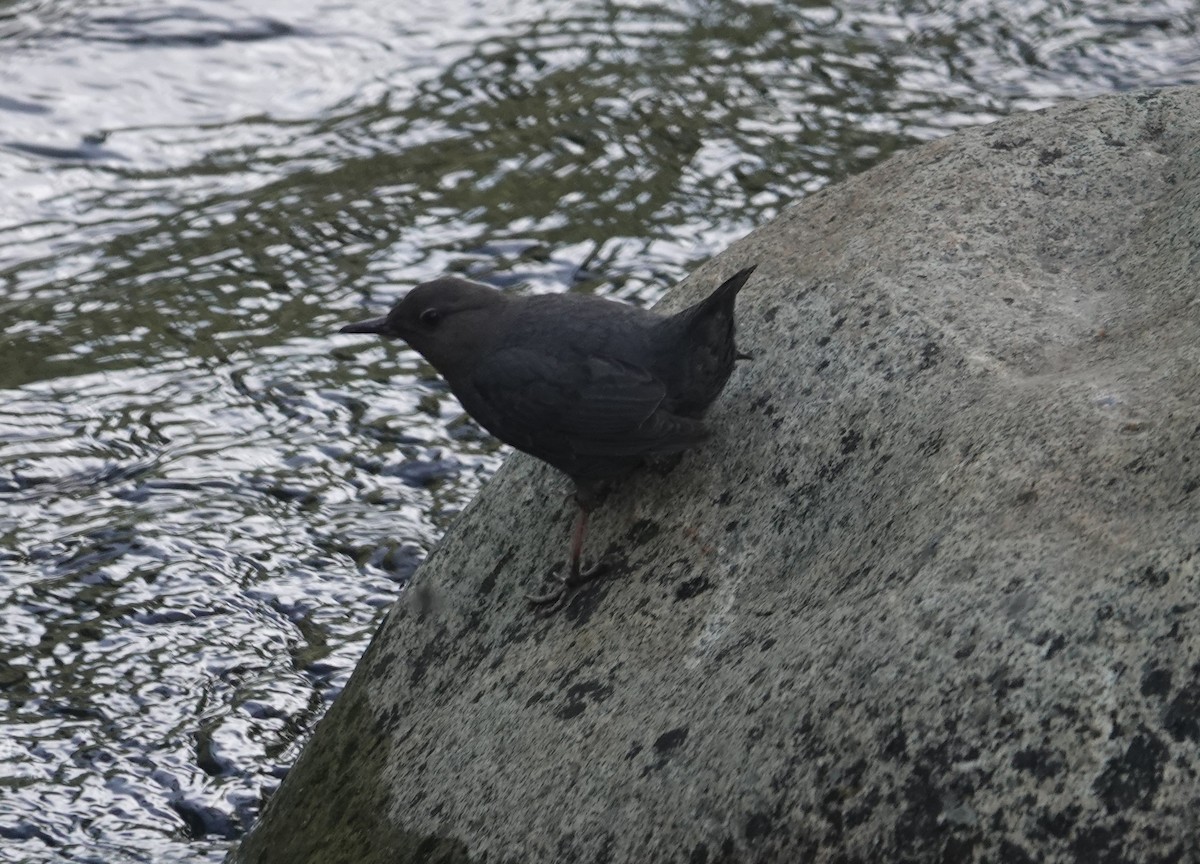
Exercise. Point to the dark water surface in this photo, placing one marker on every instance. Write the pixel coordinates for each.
(207, 499)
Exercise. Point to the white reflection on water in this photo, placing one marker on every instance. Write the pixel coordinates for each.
(206, 497)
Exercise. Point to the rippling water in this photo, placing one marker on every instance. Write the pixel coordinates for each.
(207, 499)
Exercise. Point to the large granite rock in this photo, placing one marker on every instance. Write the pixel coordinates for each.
(929, 595)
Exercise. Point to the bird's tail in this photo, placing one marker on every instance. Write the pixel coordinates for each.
(710, 322)
(727, 291)
(698, 348)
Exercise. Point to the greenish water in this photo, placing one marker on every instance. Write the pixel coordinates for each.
(207, 498)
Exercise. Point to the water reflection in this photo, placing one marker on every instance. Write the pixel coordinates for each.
(207, 498)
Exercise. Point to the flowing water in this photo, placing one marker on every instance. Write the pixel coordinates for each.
(207, 497)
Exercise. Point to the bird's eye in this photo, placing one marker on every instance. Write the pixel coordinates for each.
(431, 317)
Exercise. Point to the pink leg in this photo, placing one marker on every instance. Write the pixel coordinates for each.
(557, 594)
(577, 544)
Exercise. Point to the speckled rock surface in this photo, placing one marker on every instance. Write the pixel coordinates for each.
(929, 595)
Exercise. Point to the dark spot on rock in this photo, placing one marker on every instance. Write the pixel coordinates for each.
(822, 341)
(489, 581)
(769, 315)
(830, 470)
(1132, 779)
(394, 718)
(1137, 466)
(1156, 682)
(579, 695)
(1182, 717)
(935, 818)
(664, 746)
(699, 854)
(927, 553)
(1024, 499)
(1095, 844)
(959, 848)
(566, 848)
(1042, 763)
(767, 644)
(1009, 143)
(1155, 578)
(725, 499)
(781, 477)
(379, 669)
(1011, 853)
(1104, 612)
(931, 445)
(1056, 645)
(758, 826)
(821, 366)
(802, 501)
(851, 438)
(634, 749)
(571, 711)
(1049, 157)
(1059, 824)
(668, 741)
(919, 819)
(929, 356)
(1008, 300)
(838, 795)
(862, 811)
(604, 855)
(434, 650)
(689, 589)
(642, 531)
(474, 619)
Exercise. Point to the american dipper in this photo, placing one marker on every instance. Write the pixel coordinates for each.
(594, 387)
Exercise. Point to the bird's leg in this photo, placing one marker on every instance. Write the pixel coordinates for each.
(551, 599)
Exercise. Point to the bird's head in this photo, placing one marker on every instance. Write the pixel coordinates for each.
(449, 321)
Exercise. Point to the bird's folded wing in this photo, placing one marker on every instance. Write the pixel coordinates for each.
(589, 404)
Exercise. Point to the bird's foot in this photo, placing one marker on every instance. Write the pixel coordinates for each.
(562, 587)
(664, 465)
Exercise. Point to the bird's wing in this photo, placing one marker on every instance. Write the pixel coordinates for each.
(590, 405)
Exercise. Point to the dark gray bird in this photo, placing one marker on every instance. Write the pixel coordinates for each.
(594, 387)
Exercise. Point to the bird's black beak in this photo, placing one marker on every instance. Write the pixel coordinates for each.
(371, 325)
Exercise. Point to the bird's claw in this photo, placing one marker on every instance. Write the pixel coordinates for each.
(548, 602)
(562, 587)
